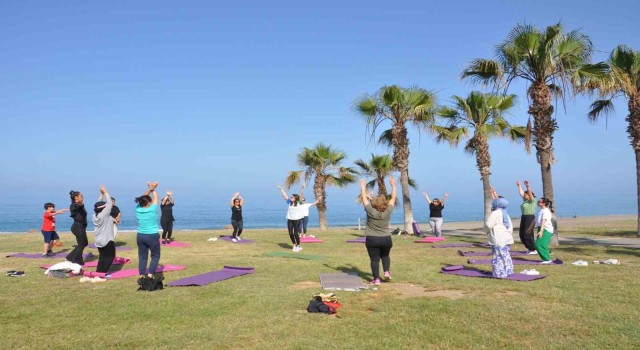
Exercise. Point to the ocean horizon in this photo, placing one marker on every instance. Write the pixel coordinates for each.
(20, 215)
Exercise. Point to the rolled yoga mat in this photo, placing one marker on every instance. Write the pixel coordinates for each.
(358, 240)
(39, 256)
(472, 272)
(524, 253)
(214, 276)
(295, 255)
(461, 245)
(341, 281)
(229, 239)
(116, 261)
(515, 262)
(118, 248)
(430, 240)
(310, 240)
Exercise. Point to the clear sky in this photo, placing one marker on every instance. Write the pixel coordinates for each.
(212, 97)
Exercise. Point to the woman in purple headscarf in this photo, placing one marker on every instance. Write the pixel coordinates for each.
(500, 236)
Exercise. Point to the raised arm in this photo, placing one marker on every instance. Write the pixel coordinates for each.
(529, 192)
(494, 195)
(60, 211)
(394, 192)
(426, 196)
(106, 212)
(444, 198)
(520, 189)
(316, 202)
(284, 194)
(151, 191)
(233, 198)
(363, 192)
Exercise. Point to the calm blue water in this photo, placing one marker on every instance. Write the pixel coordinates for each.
(24, 214)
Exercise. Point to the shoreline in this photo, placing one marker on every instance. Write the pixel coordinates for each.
(564, 224)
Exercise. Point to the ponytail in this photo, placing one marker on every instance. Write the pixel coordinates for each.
(143, 200)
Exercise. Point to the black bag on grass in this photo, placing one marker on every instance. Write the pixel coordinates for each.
(150, 283)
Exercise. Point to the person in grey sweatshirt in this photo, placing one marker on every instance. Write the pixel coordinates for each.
(104, 235)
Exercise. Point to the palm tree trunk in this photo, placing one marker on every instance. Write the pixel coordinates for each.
(406, 200)
(634, 134)
(486, 188)
(637, 151)
(543, 128)
(319, 191)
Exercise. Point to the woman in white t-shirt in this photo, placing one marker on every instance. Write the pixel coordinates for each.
(545, 229)
(295, 213)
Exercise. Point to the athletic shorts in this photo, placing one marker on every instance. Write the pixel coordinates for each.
(50, 236)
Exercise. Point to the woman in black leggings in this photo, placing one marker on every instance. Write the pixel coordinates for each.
(166, 218)
(79, 227)
(378, 237)
(236, 216)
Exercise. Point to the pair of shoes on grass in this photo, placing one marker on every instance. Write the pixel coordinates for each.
(13, 273)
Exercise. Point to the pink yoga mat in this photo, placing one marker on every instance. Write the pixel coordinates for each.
(116, 261)
(430, 240)
(175, 244)
(310, 240)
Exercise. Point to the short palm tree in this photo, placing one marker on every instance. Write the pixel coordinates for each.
(379, 168)
(399, 106)
(323, 164)
(621, 79)
(484, 115)
(551, 62)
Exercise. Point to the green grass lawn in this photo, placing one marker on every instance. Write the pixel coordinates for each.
(594, 307)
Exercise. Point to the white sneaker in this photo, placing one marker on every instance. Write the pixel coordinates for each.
(212, 239)
(98, 279)
(85, 279)
(295, 248)
(546, 262)
(533, 252)
(312, 236)
(612, 262)
(234, 240)
(238, 238)
(299, 248)
(524, 272)
(580, 263)
(533, 272)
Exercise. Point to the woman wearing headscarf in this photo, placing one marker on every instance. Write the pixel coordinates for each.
(500, 237)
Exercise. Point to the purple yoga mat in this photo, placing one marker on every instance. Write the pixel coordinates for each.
(515, 262)
(460, 245)
(358, 240)
(229, 239)
(213, 276)
(118, 248)
(489, 253)
(471, 272)
(39, 256)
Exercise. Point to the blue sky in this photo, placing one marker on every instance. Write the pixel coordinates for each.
(213, 98)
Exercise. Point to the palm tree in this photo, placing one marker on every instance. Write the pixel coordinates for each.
(621, 79)
(484, 114)
(399, 106)
(323, 164)
(551, 62)
(379, 168)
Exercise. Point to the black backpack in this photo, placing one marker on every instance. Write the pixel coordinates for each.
(150, 283)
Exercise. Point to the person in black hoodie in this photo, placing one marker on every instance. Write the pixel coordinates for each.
(79, 227)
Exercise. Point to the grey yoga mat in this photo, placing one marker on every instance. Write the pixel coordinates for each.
(341, 281)
(472, 272)
(515, 262)
(213, 276)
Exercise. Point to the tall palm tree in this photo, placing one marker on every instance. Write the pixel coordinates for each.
(379, 167)
(484, 115)
(621, 79)
(322, 163)
(399, 106)
(551, 62)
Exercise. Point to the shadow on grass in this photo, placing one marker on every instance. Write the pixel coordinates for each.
(623, 251)
(285, 245)
(120, 244)
(352, 270)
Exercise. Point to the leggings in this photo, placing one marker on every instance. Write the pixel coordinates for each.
(303, 223)
(378, 249)
(237, 228)
(527, 226)
(436, 226)
(107, 254)
(294, 231)
(167, 228)
(146, 243)
(80, 231)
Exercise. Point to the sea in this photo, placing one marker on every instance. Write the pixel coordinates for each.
(23, 215)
